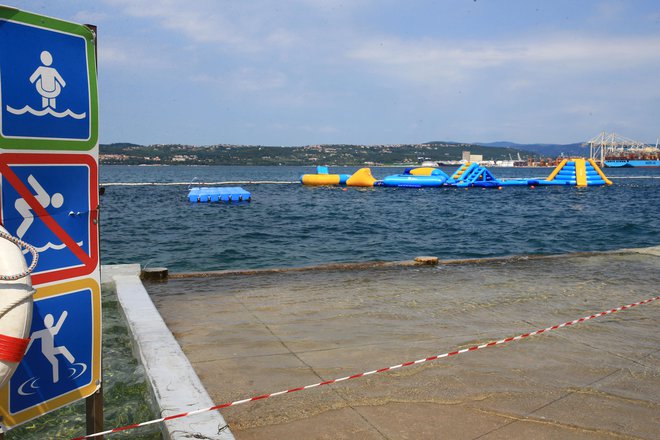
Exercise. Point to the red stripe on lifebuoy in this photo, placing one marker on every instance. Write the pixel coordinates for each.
(12, 349)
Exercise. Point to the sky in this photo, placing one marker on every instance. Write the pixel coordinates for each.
(305, 72)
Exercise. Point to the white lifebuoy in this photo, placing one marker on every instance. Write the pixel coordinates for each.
(15, 306)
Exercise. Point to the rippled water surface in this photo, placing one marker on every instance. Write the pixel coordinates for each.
(289, 225)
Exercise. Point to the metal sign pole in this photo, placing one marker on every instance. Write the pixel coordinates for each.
(94, 410)
(94, 403)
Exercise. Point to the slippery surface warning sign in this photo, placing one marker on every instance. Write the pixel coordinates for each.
(62, 363)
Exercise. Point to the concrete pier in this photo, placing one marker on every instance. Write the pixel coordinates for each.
(174, 384)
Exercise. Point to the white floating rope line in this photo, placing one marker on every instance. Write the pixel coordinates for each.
(199, 183)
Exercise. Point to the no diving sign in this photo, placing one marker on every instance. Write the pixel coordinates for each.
(51, 202)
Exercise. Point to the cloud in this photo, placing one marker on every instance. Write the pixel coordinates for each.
(199, 22)
(596, 52)
(244, 80)
(587, 50)
(429, 60)
(241, 26)
(130, 55)
(608, 12)
(90, 17)
(307, 128)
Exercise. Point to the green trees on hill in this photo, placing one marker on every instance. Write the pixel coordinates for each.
(348, 155)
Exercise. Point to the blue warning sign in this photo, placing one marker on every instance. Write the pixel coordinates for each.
(50, 201)
(44, 76)
(62, 363)
(59, 356)
(69, 204)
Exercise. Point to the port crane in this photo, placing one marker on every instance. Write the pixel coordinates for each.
(611, 144)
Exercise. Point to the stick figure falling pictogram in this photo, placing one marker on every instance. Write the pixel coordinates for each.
(48, 348)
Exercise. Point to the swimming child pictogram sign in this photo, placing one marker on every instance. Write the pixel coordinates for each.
(48, 80)
(49, 83)
(47, 87)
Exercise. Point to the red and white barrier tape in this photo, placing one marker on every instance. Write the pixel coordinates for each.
(382, 370)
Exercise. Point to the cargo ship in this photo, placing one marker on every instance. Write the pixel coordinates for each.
(620, 163)
(647, 157)
(614, 151)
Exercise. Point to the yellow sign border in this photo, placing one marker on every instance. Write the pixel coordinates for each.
(10, 420)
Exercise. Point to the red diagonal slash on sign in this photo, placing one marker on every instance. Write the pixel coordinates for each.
(89, 261)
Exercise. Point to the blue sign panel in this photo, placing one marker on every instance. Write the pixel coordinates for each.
(60, 356)
(45, 85)
(50, 201)
(64, 193)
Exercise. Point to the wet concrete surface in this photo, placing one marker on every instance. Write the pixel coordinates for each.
(248, 335)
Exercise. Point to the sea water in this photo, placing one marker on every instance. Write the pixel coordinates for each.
(291, 225)
(288, 225)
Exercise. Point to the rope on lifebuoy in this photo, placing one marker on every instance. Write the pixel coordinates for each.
(21, 244)
(16, 295)
(20, 300)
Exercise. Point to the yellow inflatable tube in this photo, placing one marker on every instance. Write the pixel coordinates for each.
(320, 179)
(361, 177)
(600, 172)
(422, 171)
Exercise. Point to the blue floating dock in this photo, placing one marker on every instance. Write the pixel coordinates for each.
(214, 195)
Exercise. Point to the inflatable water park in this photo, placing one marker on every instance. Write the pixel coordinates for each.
(577, 172)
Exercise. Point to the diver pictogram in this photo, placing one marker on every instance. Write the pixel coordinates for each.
(44, 199)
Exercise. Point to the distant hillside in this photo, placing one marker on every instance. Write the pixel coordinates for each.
(349, 155)
(494, 152)
(546, 150)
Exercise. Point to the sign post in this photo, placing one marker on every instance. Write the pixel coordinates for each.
(49, 198)
(94, 403)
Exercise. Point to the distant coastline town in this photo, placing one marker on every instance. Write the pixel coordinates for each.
(449, 153)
